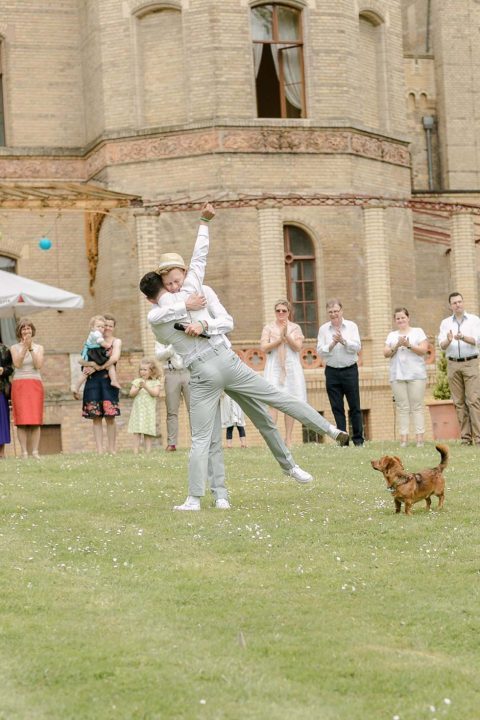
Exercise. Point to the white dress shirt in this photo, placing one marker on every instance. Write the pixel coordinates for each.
(341, 355)
(171, 307)
(469, 325)
(167, 355)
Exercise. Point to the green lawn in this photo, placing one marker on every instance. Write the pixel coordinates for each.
(302, 602)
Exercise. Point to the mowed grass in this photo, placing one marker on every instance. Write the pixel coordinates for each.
(302, 602)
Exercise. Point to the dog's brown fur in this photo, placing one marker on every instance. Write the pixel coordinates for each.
(409, 488)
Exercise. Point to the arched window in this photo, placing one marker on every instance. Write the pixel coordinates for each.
(278, 61)
(300, 271)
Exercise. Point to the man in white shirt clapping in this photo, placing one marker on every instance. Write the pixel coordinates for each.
(338, 345)
(459, 336)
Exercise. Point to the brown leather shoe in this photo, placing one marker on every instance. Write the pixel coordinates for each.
(170, 448)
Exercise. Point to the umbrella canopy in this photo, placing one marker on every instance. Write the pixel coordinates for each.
(22, 296)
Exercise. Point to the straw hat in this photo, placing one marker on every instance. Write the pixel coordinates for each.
(168, 261)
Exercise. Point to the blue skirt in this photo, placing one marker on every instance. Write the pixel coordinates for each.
(100, 399)
(4, 420)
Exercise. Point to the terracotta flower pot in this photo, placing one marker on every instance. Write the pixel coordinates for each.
(444, 420)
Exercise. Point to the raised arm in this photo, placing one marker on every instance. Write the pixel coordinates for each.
(174, 306)
(198, 264)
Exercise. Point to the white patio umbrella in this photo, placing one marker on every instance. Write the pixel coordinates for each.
(22, 296)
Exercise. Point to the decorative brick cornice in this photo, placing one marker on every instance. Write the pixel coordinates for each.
(247, 140)
(42, 168)
(319, 200)
(203, 141)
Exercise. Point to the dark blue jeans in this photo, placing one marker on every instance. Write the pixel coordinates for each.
(343, 383)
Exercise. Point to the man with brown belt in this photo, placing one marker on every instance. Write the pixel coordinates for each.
(459, 336)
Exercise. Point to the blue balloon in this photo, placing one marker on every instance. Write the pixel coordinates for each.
(45, 243)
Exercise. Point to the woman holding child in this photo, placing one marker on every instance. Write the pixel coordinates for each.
(100, 396)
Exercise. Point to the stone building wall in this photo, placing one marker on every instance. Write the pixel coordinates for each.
(159, 101)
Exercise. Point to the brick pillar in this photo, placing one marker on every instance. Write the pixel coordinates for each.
(146, 226)
(378, 281)
(464, 263)
(272, 260)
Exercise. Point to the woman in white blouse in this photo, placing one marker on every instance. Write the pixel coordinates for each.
(406, 347)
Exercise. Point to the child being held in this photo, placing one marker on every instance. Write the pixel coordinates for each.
(143, 417)
(95, 350)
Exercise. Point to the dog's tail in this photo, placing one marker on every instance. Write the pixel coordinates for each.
(444, 453)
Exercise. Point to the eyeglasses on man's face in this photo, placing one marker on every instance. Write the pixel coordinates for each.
(281, 310)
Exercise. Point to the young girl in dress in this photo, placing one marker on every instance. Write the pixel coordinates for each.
(143, 417)
(232, 416)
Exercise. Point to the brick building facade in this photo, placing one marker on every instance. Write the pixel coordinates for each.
(358, 128)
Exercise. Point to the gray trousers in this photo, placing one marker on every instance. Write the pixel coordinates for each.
(464, 382)
(221, 369)
(176, 385)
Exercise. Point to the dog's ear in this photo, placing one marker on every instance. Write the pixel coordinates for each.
(389, 462)
(395, 457)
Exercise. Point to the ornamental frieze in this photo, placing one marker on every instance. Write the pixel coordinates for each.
(366, 146)
(40, 168)
(446, 208)
(188, 143)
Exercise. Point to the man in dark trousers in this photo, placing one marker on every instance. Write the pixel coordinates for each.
(338, 345)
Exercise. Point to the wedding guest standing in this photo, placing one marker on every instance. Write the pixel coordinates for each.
(177, 385)
(100, 397)
(282, 341)
(406, 347)
(143, 417)
(338, 345)
(27, 388)
(460, 338)
(6, 370)
(232, 417)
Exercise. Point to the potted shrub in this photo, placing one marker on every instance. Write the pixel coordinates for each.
(442, 410)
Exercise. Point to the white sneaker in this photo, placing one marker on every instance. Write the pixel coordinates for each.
(298, 474)
(222, 504)
(191, 503)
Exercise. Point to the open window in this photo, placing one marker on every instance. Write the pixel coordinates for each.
(278, 61)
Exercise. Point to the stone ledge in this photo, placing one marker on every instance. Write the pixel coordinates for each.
(58, 163)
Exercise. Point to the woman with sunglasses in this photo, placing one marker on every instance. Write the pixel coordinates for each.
(282, 341)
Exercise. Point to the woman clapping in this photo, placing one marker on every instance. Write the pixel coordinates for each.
(27, 388)
(406, 347)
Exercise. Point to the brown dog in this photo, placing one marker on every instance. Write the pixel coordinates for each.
(409, 488)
